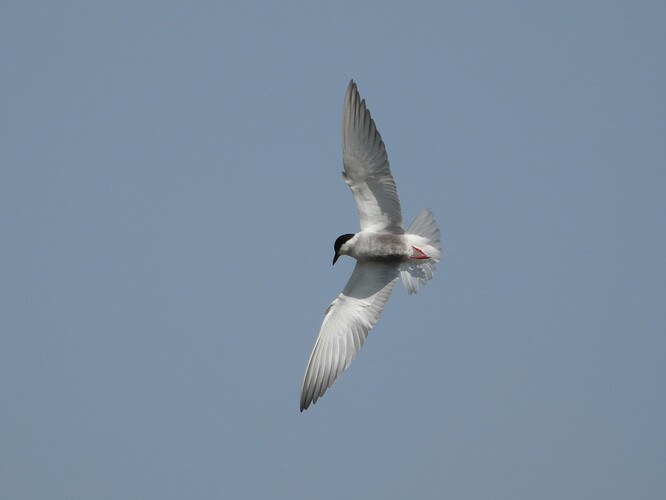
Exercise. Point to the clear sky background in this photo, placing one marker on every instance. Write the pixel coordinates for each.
(170, 192)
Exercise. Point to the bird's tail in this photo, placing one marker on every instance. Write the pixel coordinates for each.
(425, 236)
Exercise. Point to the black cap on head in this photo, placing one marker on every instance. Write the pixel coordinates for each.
(338, 243)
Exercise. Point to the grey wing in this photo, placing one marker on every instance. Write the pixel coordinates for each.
(367, 170)
(347, 322)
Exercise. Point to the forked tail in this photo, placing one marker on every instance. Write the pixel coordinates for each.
(425, 235)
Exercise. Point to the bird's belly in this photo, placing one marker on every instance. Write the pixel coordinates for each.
(382, 248)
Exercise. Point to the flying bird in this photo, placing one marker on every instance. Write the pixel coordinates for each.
(382, 249)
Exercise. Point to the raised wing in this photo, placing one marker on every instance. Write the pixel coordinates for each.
(347, 322)
(367, 170)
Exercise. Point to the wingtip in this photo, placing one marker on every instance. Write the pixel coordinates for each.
(351, 90)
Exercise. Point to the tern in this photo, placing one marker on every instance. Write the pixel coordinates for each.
(382, 249)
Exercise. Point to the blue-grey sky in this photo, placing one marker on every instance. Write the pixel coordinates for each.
(170, 192)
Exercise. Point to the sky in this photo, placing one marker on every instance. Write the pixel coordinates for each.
(170, 192)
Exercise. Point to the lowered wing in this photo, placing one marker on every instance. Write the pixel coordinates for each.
(347, 322)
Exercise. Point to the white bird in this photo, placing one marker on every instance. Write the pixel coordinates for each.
(382, 249)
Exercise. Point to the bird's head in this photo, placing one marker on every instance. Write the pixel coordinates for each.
(338, 246)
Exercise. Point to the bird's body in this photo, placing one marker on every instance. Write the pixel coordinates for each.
(378, 247)
(382, 248)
